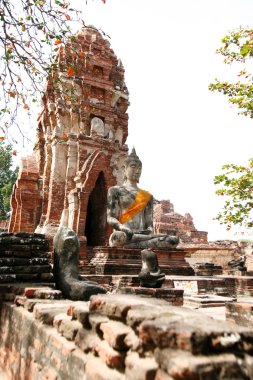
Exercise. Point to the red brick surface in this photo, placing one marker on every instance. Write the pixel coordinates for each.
(166, 220)
(125, 338)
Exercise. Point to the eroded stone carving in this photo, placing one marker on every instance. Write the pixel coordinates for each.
(97, 127)
(66, 258)
(130, 212)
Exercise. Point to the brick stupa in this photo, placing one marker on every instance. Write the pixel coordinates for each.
(80, 145)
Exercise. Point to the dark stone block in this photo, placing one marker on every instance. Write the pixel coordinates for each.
(33, 269)
(37, 247)
(20, 248)
(41, 254)
(14, 261)
(29, 235)
(7, 270)
(23, 234)
(27, 277)
(7, 278)
(21, 253)
(47, 277)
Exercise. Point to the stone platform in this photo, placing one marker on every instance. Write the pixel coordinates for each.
(225, 286)
(207, 300)
(122, 261)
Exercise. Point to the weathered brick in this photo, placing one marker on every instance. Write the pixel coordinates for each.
(46, 293)
(95, 321)
(59, 318)
(69, 329)
(140, 368)
(140, 313)
(86, 340)
(47, 312)
(30, 292)
(113, 306)
(115, 332)
(111, 357)
(96, 370)
(80, 311)
(183, 365)
(31, 302)
(194, 334)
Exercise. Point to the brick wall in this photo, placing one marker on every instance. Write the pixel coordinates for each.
(166, 220)
(240, 313)
(116, 337)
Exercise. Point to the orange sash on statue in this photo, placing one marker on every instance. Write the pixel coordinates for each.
(141, 200)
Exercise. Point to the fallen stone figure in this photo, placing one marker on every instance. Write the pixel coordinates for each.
(66, 272)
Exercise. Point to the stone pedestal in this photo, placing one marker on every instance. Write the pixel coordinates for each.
(118, 261)
(207, 300)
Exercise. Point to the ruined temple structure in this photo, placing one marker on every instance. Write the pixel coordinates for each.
(80, 145)
(134, 332)
(166, 220)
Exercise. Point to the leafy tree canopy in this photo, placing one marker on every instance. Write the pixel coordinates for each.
(237, 189)
(7, 178)
(236, 180)
(32, 33)
(238, 47)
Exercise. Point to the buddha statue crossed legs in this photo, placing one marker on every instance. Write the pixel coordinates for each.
(130, 212)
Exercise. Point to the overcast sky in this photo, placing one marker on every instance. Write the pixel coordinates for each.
(182, 132)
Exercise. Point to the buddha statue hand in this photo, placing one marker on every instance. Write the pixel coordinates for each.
(117, 239)
(127, 231)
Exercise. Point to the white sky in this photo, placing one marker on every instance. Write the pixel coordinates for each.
(182, 132)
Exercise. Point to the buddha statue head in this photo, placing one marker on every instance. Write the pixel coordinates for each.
(132, 167)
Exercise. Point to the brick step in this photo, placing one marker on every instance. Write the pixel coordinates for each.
(24, 257)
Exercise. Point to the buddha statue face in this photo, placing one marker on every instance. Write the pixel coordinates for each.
(133, 171)
(133, 167)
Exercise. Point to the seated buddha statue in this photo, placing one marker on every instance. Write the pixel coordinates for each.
(130, 212)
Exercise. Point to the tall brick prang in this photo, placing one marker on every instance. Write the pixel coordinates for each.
(80, 145)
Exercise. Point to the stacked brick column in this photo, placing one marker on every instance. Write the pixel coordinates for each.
(24, 257)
